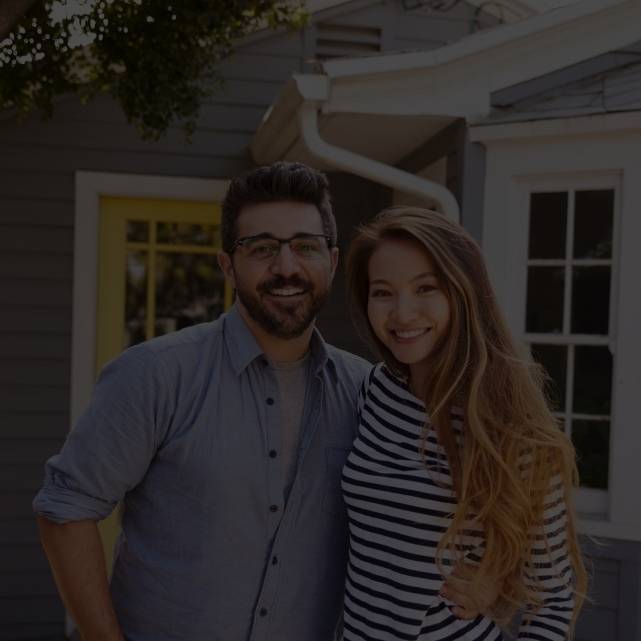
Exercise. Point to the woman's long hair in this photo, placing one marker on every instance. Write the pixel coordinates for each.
(512, 448)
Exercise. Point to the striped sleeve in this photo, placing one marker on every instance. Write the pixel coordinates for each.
(362, 392)
(549, 572)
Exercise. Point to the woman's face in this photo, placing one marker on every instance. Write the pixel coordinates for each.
(407, 308)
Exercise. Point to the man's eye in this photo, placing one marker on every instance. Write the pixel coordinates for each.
(261, 251)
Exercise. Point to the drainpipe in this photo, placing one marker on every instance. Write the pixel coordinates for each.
(371, 169)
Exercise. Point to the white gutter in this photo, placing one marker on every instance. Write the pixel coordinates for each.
(345, 160)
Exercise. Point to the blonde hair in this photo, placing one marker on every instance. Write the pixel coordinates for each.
(506, 414)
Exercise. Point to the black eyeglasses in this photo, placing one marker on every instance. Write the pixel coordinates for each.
(264, 247)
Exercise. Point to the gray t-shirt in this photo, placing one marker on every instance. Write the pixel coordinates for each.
(292, 385)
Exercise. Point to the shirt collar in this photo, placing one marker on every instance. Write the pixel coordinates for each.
(243, 348)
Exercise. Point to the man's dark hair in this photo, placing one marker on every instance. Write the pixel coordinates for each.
(280, 181)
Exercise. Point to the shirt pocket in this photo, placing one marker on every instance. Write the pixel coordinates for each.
(335, 458)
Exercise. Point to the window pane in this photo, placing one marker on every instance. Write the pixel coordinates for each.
(136, 298)
(590, 300)
(592, 442)
(137, 231)
(545, 299)
(187, 234)
(592, 380)
(548, 224)
(190, 289)
(554, 360)
(594, 215)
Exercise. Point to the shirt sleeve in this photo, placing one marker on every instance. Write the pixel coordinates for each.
(109, 450)
(362, 392)
(549, 572)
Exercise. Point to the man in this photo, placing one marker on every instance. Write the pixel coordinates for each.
(225, 442)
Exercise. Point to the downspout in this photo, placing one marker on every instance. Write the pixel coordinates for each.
(371, 169)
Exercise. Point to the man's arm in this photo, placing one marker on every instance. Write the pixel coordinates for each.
(75, 553)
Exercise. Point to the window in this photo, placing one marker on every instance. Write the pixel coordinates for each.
(568, 319)
(158, 270)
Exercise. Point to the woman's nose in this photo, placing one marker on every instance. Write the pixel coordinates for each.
(405, 308)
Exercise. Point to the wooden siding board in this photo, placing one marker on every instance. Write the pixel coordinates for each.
(48, 265)
(107, 136)
(20, 399)
(30, 346)
(26, 238)
(141, 162)
(25, 583)
(35, 318)
(21, 477)
(35, 211)
(35, 293)
(49, 184)
(19, 451)
(18, 371)
(28, 632)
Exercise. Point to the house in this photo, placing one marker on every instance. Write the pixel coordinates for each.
(99, 231)
(515, 129)
(535, 127)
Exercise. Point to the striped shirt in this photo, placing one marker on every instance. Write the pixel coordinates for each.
(399, 503)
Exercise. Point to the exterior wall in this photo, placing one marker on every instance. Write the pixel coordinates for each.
(582, 149)
(38, 161)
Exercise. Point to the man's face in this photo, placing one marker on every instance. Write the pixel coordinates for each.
(282, 293)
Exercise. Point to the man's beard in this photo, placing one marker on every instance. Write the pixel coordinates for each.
(277, 317)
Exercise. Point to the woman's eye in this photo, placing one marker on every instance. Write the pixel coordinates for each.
(426, 289)
(377, 293)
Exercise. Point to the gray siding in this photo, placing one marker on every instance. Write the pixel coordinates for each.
(38, 160)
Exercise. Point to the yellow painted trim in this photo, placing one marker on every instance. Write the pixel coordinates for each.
(112, 272)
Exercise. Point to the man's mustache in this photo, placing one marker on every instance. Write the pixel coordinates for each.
(280, 282)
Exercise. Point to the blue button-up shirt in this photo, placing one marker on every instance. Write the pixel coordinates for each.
(181, 429)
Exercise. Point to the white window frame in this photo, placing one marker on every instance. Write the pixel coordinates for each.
(593, 152)
(590, 503)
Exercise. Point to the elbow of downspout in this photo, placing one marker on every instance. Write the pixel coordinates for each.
(348, 161)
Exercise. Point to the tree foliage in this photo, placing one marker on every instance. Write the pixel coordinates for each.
(158, 58)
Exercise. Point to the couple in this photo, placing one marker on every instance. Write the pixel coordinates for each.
(271, 481)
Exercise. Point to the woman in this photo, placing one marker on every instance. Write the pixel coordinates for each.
(458, 458)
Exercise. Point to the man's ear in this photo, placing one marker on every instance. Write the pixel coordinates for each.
(334, 254)
(226, 266)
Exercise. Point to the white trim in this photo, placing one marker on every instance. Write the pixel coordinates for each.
(90, 186)
(601, 157)
(574, 126)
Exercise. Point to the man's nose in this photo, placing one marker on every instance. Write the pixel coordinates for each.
(286, 262)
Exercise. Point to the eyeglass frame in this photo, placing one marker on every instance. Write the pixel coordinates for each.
(281, 241)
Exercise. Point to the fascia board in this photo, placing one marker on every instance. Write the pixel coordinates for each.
(472, 45)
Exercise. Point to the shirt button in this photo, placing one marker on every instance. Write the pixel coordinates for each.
(273, 454)
(273, 508)
(270, 401)
(274, 560)
(263, 612)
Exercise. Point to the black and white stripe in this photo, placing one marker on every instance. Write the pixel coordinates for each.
(400, 502)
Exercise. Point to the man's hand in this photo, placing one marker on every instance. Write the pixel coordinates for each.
(458, 589)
